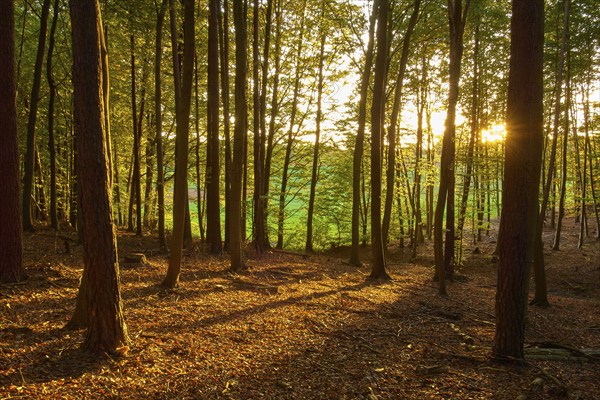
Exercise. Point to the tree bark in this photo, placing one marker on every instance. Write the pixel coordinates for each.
(523, 155)
(51, 101)
(106, 329)
(11, 250)
(160, 179)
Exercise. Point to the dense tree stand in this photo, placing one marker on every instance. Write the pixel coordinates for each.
(523, 159)
(106, 326)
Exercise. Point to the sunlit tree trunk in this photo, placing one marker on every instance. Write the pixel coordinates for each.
(51, 135)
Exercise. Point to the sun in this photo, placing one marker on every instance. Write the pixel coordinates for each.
(495, 133)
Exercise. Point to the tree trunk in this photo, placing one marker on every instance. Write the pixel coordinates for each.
(240, 134)
(360, 139)
(213, 213)
(106, 330)
(315, 163)
(444, 251)
(224, 53)
(258, 216)
(290, 135)
(51, 100)
(523, 155)
(377, 118)
(11, 250)
(34, 101)
(180, 202)
(396, 108)
(539, 269)
(160, 181)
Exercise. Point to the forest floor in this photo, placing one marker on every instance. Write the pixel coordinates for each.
(299, 327)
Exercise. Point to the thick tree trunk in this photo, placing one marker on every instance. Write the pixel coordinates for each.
(523, 155)
(106, 328)
(11, 250)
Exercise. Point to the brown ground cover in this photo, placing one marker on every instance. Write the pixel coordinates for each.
(297, 327)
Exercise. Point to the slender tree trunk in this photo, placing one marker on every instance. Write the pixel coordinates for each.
(11, 250)
(360, 138)
(391, 167)
(539, 269)
(290, 135)
(34, 101)
(224, 53)
(213, 210)
(315, 163)
(160, 179)
(523, 155)
(377, 118)
(444, 252)
(51, 100)
(180, 202)
(258, 216)
(240, 133)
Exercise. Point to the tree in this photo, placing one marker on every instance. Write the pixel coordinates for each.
(35, 95)
(180, 202)
(377, 117)
(51, 100)
(360, 137)
(160, 180)
(523, 159)
(213, 213)
(11, 249)
(240, 133)
(444, 255)
(106, 326)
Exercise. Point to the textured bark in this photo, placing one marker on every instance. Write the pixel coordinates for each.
(360, 139)
(240, 133)
(523, 155)
(377, 117)
(106, 328)
(34, 101)
(180, 202)
(11, 248)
